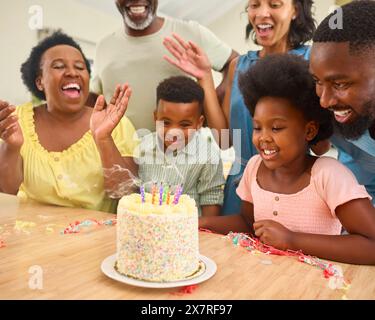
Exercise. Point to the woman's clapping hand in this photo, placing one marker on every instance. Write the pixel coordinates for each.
(104, 119)
(10, 130)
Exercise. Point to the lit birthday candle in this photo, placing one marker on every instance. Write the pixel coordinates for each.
(177, 195)
(142, 190)
(153, 191)
(169, 195)
(166, 190)
(161, 194)
(180, 193)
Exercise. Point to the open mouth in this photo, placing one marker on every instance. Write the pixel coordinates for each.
(72, 90)
(268, 154)
(264, 29)
(342, 115)
(137, 11)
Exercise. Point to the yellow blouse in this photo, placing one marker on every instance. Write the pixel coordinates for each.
(73, 177)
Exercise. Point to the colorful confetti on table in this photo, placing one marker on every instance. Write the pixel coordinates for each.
(331, 271)
(24, 226)
(186, 290)
(43, 217)
(4, 231)
(77, 226)
(49, 228)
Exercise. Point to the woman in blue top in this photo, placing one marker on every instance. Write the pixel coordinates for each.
(278, 26)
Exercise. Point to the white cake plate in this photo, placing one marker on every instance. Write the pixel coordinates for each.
(108, 268)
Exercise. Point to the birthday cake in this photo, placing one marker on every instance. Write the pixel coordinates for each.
(157, 241)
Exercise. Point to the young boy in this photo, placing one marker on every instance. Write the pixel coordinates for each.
(178, 153)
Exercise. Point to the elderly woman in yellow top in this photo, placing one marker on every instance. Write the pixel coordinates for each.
(63, 152)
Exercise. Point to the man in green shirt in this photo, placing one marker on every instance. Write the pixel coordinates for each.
(134, 54)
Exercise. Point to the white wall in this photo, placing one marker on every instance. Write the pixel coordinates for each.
(231, 28)
(85, 24)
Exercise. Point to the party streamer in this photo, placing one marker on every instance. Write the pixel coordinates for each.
(76, 226)
(330, 271)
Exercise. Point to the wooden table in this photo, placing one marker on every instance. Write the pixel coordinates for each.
(71, 264)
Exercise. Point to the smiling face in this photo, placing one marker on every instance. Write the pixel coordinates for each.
(271, 20)
(345, 83)
(177, 122)
(280, 132)
(137, 14)
(64, 78)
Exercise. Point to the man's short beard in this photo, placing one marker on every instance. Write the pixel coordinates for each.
(354, 130)
(138, 26)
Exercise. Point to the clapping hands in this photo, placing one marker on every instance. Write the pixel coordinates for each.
(104, 119)
(10, 130)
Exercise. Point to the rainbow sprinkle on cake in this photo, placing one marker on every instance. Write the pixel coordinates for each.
(157, 242)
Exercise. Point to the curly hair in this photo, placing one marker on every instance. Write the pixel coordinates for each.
(286, 76)
(180, 89)
(301, 29)
(30, 69)
(358, 27)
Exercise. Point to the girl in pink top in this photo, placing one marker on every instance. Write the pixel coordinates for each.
(291, 199)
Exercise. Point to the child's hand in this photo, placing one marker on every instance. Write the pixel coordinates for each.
(189, 57)
(202, 222)
(273, 233)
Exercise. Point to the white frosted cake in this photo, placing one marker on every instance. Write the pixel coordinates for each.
(157, 242)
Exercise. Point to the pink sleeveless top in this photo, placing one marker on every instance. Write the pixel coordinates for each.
(310, 210)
